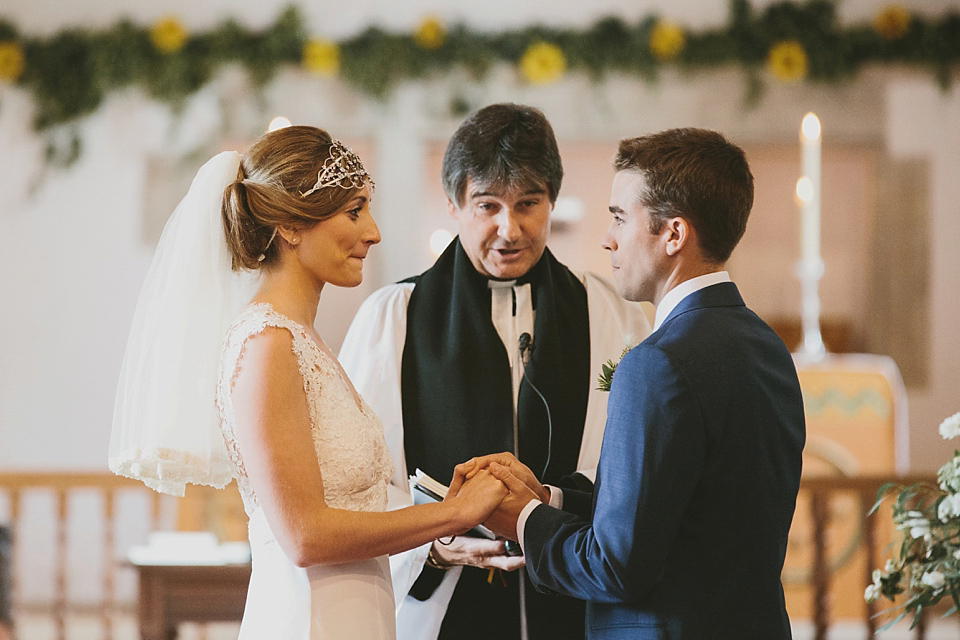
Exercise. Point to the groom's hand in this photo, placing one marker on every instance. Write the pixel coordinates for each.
(477, 552)
(468, 469)
(503, 521)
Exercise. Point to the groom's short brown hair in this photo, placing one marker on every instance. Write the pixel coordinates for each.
(694, 174)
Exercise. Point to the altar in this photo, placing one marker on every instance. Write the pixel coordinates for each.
(856, 416)
(858, 402)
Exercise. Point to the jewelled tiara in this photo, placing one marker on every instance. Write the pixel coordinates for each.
(341, 169)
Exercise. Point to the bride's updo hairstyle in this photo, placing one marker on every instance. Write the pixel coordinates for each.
(293, 178)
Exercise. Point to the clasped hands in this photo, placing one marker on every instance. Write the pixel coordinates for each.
(520, 483)
(496, 487)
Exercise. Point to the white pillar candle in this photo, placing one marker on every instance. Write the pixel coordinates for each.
(810, 196)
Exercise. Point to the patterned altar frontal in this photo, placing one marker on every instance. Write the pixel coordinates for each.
(858, 402)
(856, 413)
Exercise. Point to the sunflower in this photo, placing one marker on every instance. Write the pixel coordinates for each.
(12, 60)
(892, 22)
(168, 35)
(543, 63)
(788, 61)
(431, 34)
(322, 57)
(667, 40)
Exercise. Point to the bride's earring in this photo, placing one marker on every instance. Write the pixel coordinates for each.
(295, 240)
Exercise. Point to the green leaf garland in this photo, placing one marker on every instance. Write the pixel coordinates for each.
(70, 73)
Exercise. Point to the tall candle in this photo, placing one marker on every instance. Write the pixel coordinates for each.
(810, 193)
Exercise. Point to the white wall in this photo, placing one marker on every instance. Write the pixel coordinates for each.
(74, 256)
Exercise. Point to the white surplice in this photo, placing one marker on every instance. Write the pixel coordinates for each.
(371, 355)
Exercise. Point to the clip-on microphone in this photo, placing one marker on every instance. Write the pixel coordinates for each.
(526, 344)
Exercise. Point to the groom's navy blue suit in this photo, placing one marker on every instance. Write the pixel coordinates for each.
(684, 534)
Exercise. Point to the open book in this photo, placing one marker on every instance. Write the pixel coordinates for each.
(426, 489)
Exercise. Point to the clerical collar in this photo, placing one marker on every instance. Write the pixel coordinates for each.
(500, 284)
(682, 290)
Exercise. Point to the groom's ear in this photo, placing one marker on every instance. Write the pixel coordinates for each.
(678, 233)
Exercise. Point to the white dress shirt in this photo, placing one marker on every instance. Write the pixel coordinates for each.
(682, 290)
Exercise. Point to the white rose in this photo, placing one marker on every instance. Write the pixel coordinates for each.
(950, 428)
(889, 566)
(933, 579)
(949, 507)
(949, 475)
(871, 593)
(918, 527)
(945, 509)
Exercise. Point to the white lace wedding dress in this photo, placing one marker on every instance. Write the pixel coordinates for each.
(353, 600)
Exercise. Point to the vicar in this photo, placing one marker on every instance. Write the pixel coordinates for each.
(684, 533)
(455, 360)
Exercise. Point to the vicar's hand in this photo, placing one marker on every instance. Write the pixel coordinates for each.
(466, 470)
(503, 521)
(477, 552)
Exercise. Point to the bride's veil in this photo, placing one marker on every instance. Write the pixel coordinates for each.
(165, 430)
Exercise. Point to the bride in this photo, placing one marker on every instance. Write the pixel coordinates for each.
(307, 452)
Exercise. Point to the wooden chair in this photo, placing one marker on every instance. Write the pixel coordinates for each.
(6, 611)
(16, 487)
(872, 538)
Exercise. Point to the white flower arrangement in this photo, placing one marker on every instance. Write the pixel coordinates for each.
(927, 567)
(950, 428)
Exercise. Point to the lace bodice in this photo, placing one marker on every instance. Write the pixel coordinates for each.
(348, 438)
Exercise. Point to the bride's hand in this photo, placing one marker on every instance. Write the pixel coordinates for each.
(477, 498)
(466, 470)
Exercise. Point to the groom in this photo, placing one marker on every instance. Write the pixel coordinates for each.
(685, 531)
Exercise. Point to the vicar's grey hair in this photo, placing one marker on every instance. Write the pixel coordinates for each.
(506, 146)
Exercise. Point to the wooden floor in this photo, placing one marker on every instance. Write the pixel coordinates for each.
(35, 626)
(855, 630)
(87, 627)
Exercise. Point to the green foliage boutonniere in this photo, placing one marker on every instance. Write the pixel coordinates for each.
(605, 379)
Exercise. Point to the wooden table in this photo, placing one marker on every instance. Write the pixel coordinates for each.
(171, 594)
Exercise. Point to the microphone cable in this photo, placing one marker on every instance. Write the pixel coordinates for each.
(525, 344)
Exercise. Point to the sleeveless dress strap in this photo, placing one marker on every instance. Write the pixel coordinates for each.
(252, 321)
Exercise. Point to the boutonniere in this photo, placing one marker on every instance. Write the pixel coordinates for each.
(605, 379)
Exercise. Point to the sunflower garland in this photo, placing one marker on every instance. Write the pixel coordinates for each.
(322, 57)
(431, 34)
(543, 63)
(667, 40)
(788, 61)
(168, 35)
(793, 40)
(892, 22)
(11, 61)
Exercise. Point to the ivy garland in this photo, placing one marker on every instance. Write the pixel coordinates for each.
(70, 73)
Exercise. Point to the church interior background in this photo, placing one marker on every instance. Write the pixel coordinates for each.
(79, 226)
